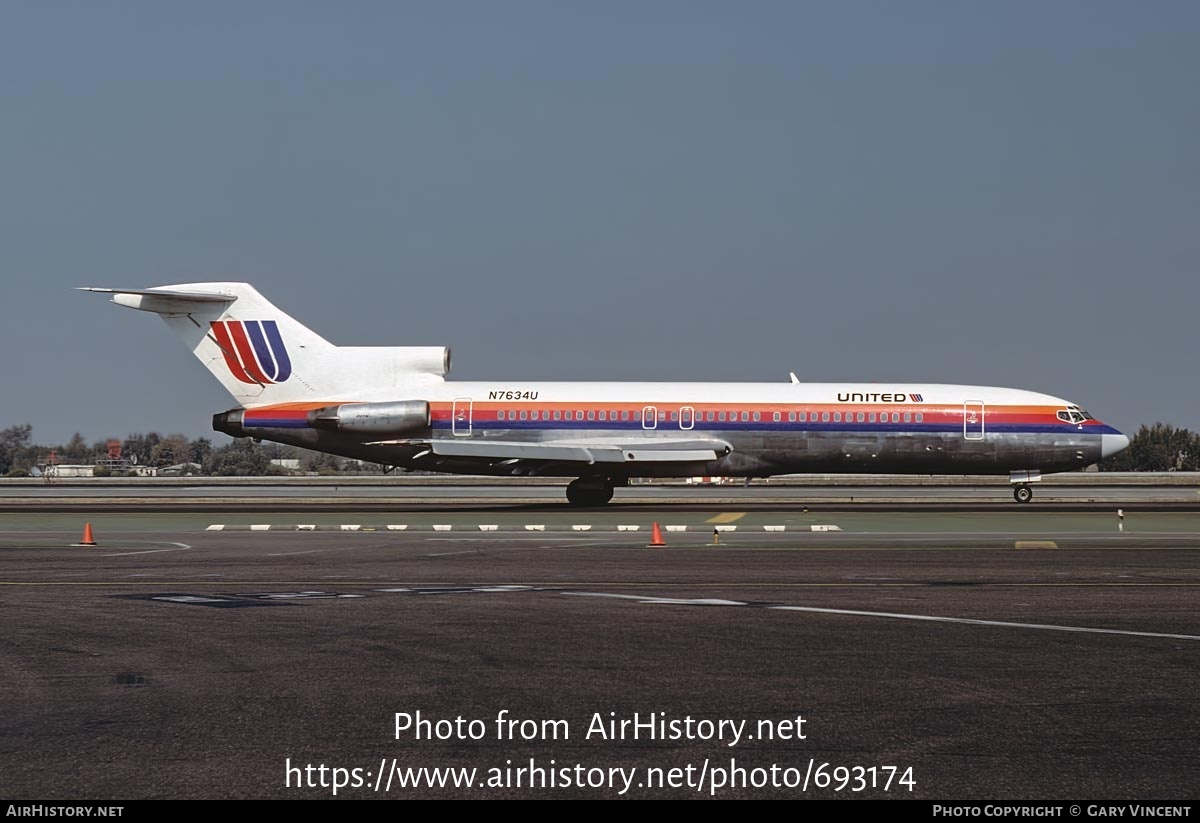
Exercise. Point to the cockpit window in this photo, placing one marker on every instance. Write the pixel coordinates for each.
(1072, 416)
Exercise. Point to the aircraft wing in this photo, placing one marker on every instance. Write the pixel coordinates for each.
(659, 450)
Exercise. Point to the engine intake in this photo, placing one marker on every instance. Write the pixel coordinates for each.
(397, 417)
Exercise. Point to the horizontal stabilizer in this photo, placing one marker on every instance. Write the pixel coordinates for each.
(163, 301)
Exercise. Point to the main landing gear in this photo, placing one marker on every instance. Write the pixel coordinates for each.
(589, 491)
(1022, 493)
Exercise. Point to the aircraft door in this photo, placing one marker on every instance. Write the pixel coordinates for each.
(973, 420)
(649, 417)
(687, 417)
(460, 417)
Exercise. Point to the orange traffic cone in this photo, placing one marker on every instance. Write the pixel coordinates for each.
(656, 538)
(87, 540)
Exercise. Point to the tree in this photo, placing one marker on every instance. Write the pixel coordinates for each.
(199, 449)
(241, 458)
(171, 451)
(139, 448)
(13, 440)
(76, 450)
(1158, 448)
(321, 463)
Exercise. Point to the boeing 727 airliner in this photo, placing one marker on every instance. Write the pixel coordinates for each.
(394, 406)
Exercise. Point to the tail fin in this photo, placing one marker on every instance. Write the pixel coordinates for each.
(262, 356)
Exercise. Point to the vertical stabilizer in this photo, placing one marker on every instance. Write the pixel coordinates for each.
(263, 356)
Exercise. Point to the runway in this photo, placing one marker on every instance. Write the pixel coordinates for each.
(173, 661)
(939, 496)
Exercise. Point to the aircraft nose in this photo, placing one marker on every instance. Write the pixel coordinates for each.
(1110, 444)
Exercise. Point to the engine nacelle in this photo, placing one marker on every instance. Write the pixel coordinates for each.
(397, 417)
(230, 422)
(422, 359)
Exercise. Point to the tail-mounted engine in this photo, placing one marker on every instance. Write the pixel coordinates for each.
(391, 419)
(399, 417)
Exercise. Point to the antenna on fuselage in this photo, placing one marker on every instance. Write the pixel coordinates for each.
(792, 375)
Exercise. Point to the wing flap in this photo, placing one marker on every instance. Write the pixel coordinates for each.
(580, 451)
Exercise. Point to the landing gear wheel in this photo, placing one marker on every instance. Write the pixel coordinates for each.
(582, 493)
(1022, 493)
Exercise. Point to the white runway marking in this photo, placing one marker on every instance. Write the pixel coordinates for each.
(178, 548)
(316, 551)
(973, 622)
(547, 540)
(670, 601)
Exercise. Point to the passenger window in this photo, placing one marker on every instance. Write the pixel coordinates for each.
(872, 417)
(862, 417)
(709, 417)
(557, 414)
(745, 417)
(776, 417)
(721, 417)
(803, 417)
(662, 415)
(825, 417)
(895, 417)
(637, 415)
(524, 414)
(500, 414)
(674, 416)
(791, 417)
(920, 417)
(603, 414)
(837, 417)
(512, 415)
(591, 414)
(757, 417)
(625, 414)
(908, 417)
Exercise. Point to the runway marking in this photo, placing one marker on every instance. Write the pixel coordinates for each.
(618, 584)
(975, 622)
(179, 547)
(348, 548)
(727, 517)
(651, 599)
(1035, 544)
(671, 601)
(550, 538)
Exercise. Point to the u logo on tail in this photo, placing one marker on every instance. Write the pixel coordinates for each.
(254, 350)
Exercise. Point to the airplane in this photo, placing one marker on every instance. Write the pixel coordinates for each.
(394, 406)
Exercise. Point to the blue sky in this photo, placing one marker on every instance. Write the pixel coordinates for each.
(994, 193)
